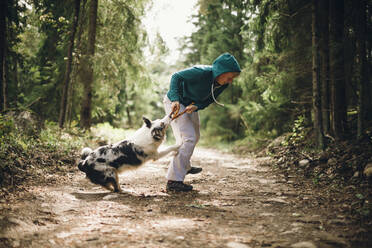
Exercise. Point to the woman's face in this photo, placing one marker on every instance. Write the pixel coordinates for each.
(226, 78)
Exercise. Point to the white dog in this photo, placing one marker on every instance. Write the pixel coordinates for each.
(103, 165)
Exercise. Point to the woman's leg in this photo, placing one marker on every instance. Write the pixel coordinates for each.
(186, 131)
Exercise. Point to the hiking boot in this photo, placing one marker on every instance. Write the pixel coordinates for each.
(178, 186)
(194, 170)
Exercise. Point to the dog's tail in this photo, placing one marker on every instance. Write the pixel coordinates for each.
(85, 152)
(82, 165)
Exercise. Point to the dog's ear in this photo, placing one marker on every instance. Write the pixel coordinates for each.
(147, 121)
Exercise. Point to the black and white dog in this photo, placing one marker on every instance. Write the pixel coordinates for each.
(103, 165)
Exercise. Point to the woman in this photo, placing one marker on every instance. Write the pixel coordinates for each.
(194, 89)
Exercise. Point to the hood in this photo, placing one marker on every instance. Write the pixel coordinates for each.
(225, 63)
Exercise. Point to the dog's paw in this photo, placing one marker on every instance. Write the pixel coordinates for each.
(119, 190)
(176, 148)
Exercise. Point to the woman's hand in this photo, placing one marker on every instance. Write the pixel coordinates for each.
(175, 107)
(191, 108)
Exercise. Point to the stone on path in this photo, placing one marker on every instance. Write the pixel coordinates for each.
(303, 163)
(304, 244)
(237, 245)
(110, 197)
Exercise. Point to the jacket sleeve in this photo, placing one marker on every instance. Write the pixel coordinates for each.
(174, 89)
(187, 75)
(210, 100)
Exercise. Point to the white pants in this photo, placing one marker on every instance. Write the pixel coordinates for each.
(186, 130)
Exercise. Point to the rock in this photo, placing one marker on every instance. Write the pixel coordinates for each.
(237, 245)
(292, 231)
(110, 197)
(304, 244)
(267, 214)
(303, 163)
(44, 204)
(63, 235)
(276, 200)
(368, 170)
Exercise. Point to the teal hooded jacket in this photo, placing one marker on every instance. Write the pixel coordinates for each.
(195, 84)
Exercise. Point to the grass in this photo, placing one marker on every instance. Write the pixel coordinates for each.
(22, 155)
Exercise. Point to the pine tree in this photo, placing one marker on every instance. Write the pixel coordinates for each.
(337, 70)
(3, 48)
(318, 127)
(66, 82)
(362, 66)
(87, 69)
(324, 57)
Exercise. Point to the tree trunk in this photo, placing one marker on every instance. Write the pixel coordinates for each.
(87, 67)
(324, 58)
(15, 81)
(5, 80)
(337, 68)
(3, 13)
(369, 61)
(316, 77)
(362, 66)
(62, 113)
(71, 111)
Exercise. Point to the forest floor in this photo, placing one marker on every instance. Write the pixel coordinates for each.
(237, 202)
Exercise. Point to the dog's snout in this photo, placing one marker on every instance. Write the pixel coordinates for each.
(166, 120)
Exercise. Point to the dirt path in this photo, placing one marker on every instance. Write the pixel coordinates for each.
(237, 202)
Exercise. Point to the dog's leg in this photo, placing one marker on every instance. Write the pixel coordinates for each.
(167, 150)
(113, 185)
(111, 181)
(108, 186)
(116, 184)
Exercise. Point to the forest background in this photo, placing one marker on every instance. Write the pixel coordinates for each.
(78, 73)
(306, 66)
